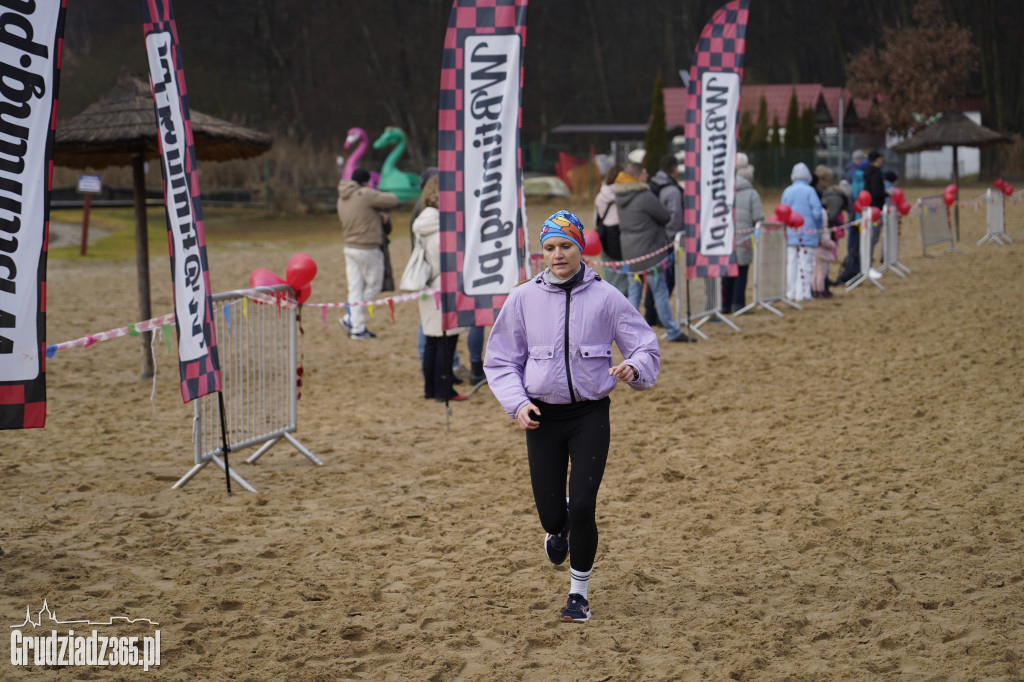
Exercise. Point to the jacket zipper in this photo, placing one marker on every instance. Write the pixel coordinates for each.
(568, 369)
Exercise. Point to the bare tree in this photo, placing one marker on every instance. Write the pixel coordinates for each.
(919, 70)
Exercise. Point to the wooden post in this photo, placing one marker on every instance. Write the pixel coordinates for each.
(142, 259)
(85, 223)
(956, 181)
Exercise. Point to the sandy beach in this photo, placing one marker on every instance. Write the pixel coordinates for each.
(833, 494)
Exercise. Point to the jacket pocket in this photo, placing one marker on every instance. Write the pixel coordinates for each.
(542, 372)
(596, 350)
(542, 352)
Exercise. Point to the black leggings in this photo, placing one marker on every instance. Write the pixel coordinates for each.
(578, 433)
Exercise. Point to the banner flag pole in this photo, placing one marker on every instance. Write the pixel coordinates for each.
(480, 160)
(712, 109)
(224, 448)
(198, 360)
(30, 55)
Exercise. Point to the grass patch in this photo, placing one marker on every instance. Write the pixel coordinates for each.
(223, 225)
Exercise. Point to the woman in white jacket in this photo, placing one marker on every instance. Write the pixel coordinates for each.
(438, 377)
(606, 223)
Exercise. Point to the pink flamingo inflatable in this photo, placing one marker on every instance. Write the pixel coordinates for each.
(357, 135)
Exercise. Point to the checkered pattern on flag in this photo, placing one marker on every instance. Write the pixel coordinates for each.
(197, 343)
(483, 243)
(711, 128)
(30, 51)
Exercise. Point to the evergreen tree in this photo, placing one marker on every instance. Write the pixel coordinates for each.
(774, 135)
(760, 136)
(656, 141)
(792, 137)
(808, 129)
(747, 130)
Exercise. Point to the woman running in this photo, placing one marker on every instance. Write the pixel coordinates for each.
(549, 364)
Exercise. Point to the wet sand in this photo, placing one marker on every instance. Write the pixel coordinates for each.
(832, 494)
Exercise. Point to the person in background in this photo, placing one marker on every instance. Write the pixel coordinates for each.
(749, 213)
(801, 242)
(606, 224)
(851, 264)
(833, 203)
(666, 187)
(890, 178)
(549, 363)
(874, 183)
(642, 220)
(359, 211)
(853, 164)
(427, 173)
(475, 337)
(438, 375)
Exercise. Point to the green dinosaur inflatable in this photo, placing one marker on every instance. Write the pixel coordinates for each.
(406, 186)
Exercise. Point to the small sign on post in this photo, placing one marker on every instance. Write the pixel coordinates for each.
(87, 185)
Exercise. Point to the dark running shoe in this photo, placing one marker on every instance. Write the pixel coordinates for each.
(577, 610)
(556, 547)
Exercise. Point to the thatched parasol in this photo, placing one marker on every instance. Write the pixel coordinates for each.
(953, 129)
(120, 129)
(122, 123)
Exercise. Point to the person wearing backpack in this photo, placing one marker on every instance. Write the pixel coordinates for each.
(670, 194)
(642, 220)
(606, 222)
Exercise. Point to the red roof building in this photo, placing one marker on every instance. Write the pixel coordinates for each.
(825, 102)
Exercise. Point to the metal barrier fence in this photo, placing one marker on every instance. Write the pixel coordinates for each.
(258, 403)
(769, 266)
(936, 227)
(995, 219)
(864, 275)
(698, 300)
(891, 242)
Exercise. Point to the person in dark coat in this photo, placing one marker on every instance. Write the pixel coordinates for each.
(642, 220)
(874, 183)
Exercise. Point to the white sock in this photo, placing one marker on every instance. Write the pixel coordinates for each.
(579, 581)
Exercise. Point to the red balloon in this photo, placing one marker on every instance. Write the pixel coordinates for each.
(876, 213)
(591, 243)
(796, 220)
(998, 183)
(783, 212)
(261, 277)
(1007, 189)
(857, 207)
(949, 195)
(904, 208)
(302, 295)
(897, 195)
(301, 270)
(864, 197)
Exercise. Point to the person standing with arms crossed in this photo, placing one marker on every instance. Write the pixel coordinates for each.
(549, 364)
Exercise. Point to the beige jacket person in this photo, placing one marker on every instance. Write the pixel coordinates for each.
(359, 212)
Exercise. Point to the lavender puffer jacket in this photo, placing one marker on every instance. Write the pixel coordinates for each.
(527, 357)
